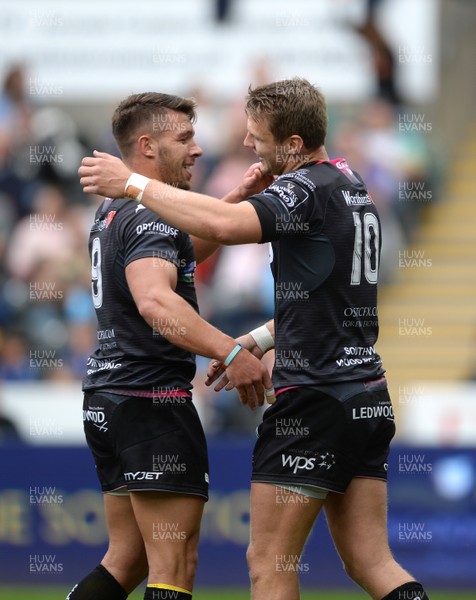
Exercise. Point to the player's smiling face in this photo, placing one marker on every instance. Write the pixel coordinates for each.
(260, 139)
(176, 149)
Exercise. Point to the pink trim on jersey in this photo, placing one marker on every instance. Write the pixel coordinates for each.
(149, 393)
(285, 389)
(340, 163)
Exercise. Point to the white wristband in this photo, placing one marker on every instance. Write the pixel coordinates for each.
(135, 187)
(263, 338)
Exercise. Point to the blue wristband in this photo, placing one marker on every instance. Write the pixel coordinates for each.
(232, 355)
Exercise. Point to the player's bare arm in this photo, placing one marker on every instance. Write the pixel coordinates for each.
(258, 342)
(253, 182)
(200, 215)
(152, 284)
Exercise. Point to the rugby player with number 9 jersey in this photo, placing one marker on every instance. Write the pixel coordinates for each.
(139, 418)
(326, 438)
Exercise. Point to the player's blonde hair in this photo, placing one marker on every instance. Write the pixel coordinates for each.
(291, 107)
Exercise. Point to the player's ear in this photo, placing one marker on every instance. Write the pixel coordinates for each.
(294, 144)
(146, 146)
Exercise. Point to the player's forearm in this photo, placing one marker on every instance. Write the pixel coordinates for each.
(218, 222)
(259, 340)
(202, 216)
(253, 182)
(175, 320)
(270, 325)
(204, 248)
(197, 214)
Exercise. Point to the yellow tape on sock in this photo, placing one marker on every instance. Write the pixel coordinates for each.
(165, 586)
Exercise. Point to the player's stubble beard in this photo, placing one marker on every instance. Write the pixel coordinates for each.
(274, 168)
(173, 174)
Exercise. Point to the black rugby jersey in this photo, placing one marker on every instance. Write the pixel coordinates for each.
(325, 234)
(131, 354)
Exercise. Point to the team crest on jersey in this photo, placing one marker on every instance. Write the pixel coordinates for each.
(187, 274)
(110, 217)
(99, 225)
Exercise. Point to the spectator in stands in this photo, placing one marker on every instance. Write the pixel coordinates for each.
(14, 359)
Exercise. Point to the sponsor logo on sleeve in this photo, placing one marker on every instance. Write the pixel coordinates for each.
(156, 228)
(286, 193)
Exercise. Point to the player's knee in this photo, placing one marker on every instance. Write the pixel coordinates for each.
(257, 563)
(192, 560)
(251, 555)
(186, 559)
(125, 558)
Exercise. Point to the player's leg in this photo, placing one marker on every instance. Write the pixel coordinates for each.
(124, 565)
(170, 527)
(164, 459)
(280, 524)
(357, 521)
(125, 558)
(294, 448)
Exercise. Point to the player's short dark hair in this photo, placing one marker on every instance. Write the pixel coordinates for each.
(137, 112)
(291, 107)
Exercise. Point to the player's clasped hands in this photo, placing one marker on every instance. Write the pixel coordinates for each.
(247, 374)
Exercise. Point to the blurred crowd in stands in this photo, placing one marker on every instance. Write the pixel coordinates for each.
(47, 322)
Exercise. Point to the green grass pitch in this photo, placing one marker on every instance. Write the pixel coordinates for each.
(59, 593)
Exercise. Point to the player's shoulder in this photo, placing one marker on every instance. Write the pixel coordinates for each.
(304, 177)
(310, 177)
(142, 221)
(335, 172)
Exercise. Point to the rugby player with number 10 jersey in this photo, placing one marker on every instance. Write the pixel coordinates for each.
(325, 318)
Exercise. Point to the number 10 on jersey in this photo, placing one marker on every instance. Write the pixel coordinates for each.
(366, 246)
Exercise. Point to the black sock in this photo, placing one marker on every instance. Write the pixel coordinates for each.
(408, 591)
(168, 592)
(98, 585)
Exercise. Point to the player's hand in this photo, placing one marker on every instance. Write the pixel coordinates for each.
(251, 379)
(226, 379)
(104, 175)
(254, 181)
(216, 371)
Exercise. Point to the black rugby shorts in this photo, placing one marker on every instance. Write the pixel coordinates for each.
(325, 435)
(139, 443)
